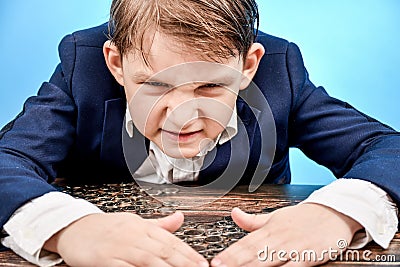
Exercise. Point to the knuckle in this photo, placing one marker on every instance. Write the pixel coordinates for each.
(146, 259)
(165, 252)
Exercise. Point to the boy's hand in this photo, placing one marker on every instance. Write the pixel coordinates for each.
(124, 239)
(302, 227)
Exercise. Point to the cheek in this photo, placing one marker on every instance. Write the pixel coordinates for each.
(213, 128)
(145, 112)
(218, 111)
(153, 122)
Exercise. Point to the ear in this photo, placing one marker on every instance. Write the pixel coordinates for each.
(251, 62)
(114, 61)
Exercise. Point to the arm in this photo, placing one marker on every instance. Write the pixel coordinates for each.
(365, 203)
(34, 143)
(31, 149)
(39, 219)
(351, 145)
(336, 135)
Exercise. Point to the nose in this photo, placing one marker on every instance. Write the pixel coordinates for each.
(182, 108)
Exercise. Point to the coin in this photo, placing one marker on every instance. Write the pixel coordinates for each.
(213, 239)
(199, 248)
(235, 236)
(170, 190)
(196, 240)
(145, 212)
(153, 192)
(193, 232)
(215, 247)
(155, 205)
(166, 210)
(205, 226)
(145, 188)
(170, 203)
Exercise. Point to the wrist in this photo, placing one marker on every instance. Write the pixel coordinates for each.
(52, 243)
(341, 219)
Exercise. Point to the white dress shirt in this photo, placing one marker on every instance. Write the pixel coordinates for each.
(36, 221)
(160, 168)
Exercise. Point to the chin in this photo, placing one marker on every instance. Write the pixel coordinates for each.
(183, 153)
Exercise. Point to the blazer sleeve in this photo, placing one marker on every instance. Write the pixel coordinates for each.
(338, 136)
(38, 139)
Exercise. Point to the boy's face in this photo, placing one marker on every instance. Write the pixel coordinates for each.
(180, 102)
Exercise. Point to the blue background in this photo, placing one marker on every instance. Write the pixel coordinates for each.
(351, 47)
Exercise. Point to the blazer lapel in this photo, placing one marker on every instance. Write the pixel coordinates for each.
(111, 150)
(249, 154)
(117, 148)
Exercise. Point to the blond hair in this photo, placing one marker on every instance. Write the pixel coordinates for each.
(213, 29)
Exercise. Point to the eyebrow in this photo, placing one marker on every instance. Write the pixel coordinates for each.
(145, 76)
(223, 80)
(141, 76)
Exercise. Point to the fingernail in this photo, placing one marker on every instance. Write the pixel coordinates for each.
(216, 262)
(203, 264)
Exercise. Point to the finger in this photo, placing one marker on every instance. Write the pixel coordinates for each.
(245, 250)
(300, 264)
(271, 255)
(172, 255)
(171, 222)
(170, 244)
(258, 263)
(168, 239)
(140, 257)
(242, 252)
(248, 222)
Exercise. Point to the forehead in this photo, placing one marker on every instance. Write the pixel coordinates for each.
(169, 56)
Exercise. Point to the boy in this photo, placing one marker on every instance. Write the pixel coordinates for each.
(175, 68)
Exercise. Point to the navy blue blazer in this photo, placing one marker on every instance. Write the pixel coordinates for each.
(73, 127)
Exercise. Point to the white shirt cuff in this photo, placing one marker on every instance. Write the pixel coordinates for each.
(365, 203)
(38, 220)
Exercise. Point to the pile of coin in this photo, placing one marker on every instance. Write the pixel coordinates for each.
(127, 197)
(211, 238)
(207, 238)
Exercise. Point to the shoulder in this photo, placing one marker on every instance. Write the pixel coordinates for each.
(272, 44)
(92, 37)
(82, 61)
(276, 46)
(281, 52)
(83, 44)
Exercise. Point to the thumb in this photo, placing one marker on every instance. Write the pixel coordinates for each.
(171, 222)
(248, 222)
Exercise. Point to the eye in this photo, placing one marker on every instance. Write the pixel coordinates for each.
(156, 84)
(210, 86)
(210, 89)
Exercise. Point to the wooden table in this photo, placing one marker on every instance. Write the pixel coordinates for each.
(267, 196)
